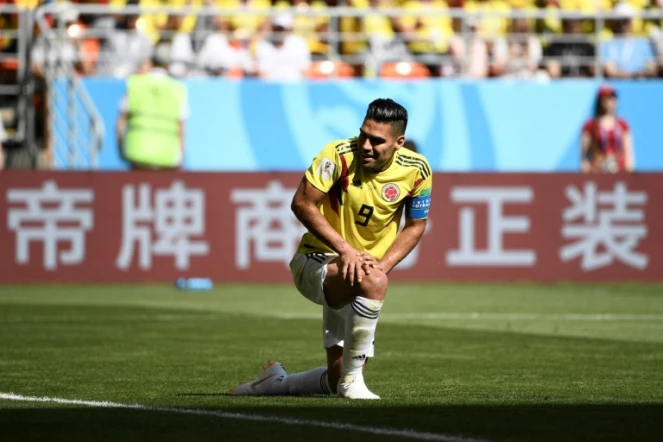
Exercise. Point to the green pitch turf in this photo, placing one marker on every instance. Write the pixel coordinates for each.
(486, 362)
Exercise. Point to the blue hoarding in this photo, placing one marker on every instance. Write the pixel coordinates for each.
(497, 125)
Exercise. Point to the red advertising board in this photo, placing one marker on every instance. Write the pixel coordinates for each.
(237, 227)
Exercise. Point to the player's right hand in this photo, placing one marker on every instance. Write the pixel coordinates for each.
(351, 266)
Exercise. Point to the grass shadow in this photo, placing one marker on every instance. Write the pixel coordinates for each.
(491, 423)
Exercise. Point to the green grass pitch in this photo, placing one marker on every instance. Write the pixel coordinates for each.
(453, 362)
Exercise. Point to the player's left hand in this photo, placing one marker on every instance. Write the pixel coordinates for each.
(369, 262)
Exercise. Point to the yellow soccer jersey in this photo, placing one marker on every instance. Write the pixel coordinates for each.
(366, 208)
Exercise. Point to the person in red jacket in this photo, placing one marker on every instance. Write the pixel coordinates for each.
(606, 141)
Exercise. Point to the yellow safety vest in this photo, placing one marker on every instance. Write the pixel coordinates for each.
(155, 104)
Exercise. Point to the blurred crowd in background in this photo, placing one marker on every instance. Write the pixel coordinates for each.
(287, 45)
(291, 40)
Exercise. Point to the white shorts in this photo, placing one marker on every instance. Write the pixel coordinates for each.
(309, 271)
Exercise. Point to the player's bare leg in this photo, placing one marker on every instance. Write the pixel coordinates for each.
(334, 365)
(365, 297)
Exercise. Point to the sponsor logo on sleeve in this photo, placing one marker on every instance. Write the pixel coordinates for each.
(326, 168)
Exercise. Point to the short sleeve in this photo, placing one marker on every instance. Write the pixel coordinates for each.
(418, 204)
(623, 125)
(325, 169)
(587, 127)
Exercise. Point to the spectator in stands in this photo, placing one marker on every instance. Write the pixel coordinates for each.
(654, 28)
(150, 129)
(571, 55)
(125, 51)
(550, 23)
(244, 24)
(491, 17)
(63, 52)
(637, 23)
(283, 55)
(523, 51)
(606, 141)
(588, 8)
(206, 24)
(181, 46)
(430, 36)
(217, 57)
(384, 44)
(626, 56)
(313, 29)
(243, 30)
(153, 24)
(477, 62)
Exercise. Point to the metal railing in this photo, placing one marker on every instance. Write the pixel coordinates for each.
(76, 129)
(335, 37)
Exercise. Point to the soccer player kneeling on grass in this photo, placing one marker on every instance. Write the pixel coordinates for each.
(351, 200)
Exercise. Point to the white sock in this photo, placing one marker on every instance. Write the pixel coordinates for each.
(360, 327)
(304, 383)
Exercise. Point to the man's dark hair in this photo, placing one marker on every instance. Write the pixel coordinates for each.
(386, 110)
(161, 55)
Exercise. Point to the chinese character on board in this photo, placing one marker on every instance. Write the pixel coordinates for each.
(267, 230)
(166, 227)
(498, 224)
(604, 226)
(53, 217)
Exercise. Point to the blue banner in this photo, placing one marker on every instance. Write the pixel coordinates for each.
(496, 125)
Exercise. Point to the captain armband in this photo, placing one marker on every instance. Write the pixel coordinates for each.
(417, 207)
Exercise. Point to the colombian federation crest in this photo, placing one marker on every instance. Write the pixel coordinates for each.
(390, 192)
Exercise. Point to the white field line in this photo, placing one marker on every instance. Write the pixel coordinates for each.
(410, 434)
(476, 316)
(444, 316)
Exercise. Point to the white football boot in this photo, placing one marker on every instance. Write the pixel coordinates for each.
(272, 373)
(353, 387)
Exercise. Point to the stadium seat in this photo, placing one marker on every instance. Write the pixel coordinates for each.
(404, 69)
(329, 69)
(9, 64)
